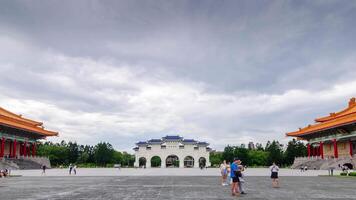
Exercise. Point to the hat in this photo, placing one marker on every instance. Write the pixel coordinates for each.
(235, 159)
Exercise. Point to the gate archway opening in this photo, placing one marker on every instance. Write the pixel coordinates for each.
(142, 162)
(188, 161)
(172, 161)
(202, 162)
(156, 161)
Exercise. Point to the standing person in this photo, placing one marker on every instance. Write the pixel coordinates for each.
(44, 169)
(235, 179)
(241, 177)
(70, 169)
(223, 171)
(274, 175)
(75, 169)
(228, 172)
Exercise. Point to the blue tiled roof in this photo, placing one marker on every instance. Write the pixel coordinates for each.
(189, 140)
(155, 140)
(138, 143)
(172, 137)
(203, 143)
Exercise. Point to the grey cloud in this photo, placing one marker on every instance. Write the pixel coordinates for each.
(192, 67)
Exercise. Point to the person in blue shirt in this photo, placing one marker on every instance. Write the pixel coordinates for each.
(235, 178)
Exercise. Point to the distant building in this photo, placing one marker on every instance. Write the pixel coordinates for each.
(18, 140)
(172, 151)
(251, 146)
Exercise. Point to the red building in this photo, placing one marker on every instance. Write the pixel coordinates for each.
(332, 136)
(18, 135)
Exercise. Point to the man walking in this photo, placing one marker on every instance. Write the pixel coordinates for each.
(235, 179)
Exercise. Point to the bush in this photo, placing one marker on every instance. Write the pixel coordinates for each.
(352, 174)
(343, 174)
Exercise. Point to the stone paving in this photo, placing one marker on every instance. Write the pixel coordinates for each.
(164, 172)
(172, 187)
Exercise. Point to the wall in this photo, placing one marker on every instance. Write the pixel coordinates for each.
(172, 148)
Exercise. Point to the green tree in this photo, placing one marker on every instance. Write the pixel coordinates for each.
(156, 161)
(216, 158)
(103, 153)
(228, 154)
(73, 152)
(294, 149)
(275, 152)
(258, 158)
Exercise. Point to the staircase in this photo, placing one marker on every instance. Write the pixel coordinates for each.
(24, 163)
(324, 164)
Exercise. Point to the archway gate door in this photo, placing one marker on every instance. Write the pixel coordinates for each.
(189, 162)
(142, 162)
(172, 161)
(202, 162)
(156, 161)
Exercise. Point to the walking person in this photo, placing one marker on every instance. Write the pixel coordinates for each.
(223, 171)
(228, 172)
(235, 179)
(44, 169)
(274, 175)
(70, 169)
(241, 177)
(75, 169)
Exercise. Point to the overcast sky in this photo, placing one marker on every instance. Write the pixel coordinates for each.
(225, 72)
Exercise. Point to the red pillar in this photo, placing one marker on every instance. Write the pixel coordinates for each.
(321, 146)
(15, 144)
(317, 151)
(308, 146)
(25, 149)
(350, 147)
(335, 149)
(2, 147)
(34, 149)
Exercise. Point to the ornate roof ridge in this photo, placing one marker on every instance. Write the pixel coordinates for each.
(347, 111)
(10, 114)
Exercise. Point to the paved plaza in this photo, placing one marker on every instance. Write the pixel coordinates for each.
(174, 187)
(164, 172)
(170, 184)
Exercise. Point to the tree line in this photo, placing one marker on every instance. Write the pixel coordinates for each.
(99, 155)
(261, 156)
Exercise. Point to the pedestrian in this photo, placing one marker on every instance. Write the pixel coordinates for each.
(241, 177)
(223, 171)
(44, 169)
(228, 173)
(75, 169)
(274, 175)
(70, 169)
(235, 179)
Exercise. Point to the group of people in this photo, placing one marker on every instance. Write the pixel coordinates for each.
(72, 168)
(303, 168)
(4, 173)
(233, 174)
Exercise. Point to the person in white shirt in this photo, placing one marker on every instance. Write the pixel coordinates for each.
(274, 175)
(223, 171)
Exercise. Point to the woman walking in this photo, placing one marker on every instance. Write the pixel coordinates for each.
(274, 175)
(223, 171)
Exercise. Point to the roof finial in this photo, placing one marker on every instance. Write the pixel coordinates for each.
(352, 101)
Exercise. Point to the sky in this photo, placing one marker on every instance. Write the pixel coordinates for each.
(224, 72)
